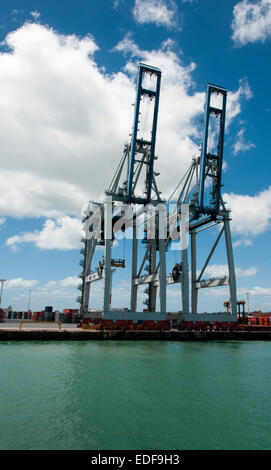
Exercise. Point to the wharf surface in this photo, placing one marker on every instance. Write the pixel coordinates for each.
(72, 333)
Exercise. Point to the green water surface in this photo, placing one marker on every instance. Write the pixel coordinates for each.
(135, 395)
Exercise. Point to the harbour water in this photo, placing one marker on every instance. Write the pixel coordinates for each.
(135, 395)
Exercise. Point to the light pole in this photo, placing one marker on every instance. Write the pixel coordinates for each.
(29, 300)
(247, 294)
(2, 283)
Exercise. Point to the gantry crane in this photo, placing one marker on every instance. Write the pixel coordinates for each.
(198, 206)
(201, 189)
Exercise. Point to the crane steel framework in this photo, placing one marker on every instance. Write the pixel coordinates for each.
(198, 206)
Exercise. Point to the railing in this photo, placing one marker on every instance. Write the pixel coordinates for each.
(32, 321)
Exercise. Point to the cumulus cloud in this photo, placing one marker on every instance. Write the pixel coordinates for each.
(220, 270)
(256, 218)
(35, 14)
(57, 288)
(16, 14)
(59, 109)
(25, 194)
(254, 291)
(159, 12)
(20, 283)
(240, 145)
(263, 291)
(66, 119)
(60, 293)
(242, 242)
(63, 234)
(235, 100)
(251, 21)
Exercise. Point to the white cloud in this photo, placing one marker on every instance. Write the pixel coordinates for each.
(61, 234)
(67, 285)
(16, 14)
(256, 216)
(159, 12)
(251, 21)
(254, 291)
(220, 270)
(234, 101)
(58, 145)
(20, 283)
(224, 166)
(59, 109)
(31, 195)
(128, 46)
(246, 272)
(35, 15)
(242, 242)
(240, 145)
(60, 293)
(116, 3)
(263, 291)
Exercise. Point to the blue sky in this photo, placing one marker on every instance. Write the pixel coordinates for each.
(67, 82)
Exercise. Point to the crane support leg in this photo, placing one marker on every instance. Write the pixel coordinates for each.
(134, 268)
(107, 276)
(86, 296)
(184, 256)
(162, 280)
(232, 278)
(194, 272)
(107, 266)
(152, 288)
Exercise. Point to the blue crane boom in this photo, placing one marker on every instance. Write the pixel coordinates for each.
(211, 161)
(139, 144)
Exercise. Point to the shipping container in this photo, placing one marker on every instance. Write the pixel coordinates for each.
(59, 316)
(48, 309)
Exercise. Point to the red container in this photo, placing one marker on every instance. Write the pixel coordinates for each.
(70, 310)
(35, 316)
(107, 324)
(121, 324)
(148, 325)
(41, 316)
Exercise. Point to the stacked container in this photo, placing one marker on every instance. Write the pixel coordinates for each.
(59, 316)
(35, 316)
(48, 314)
(69, 315)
